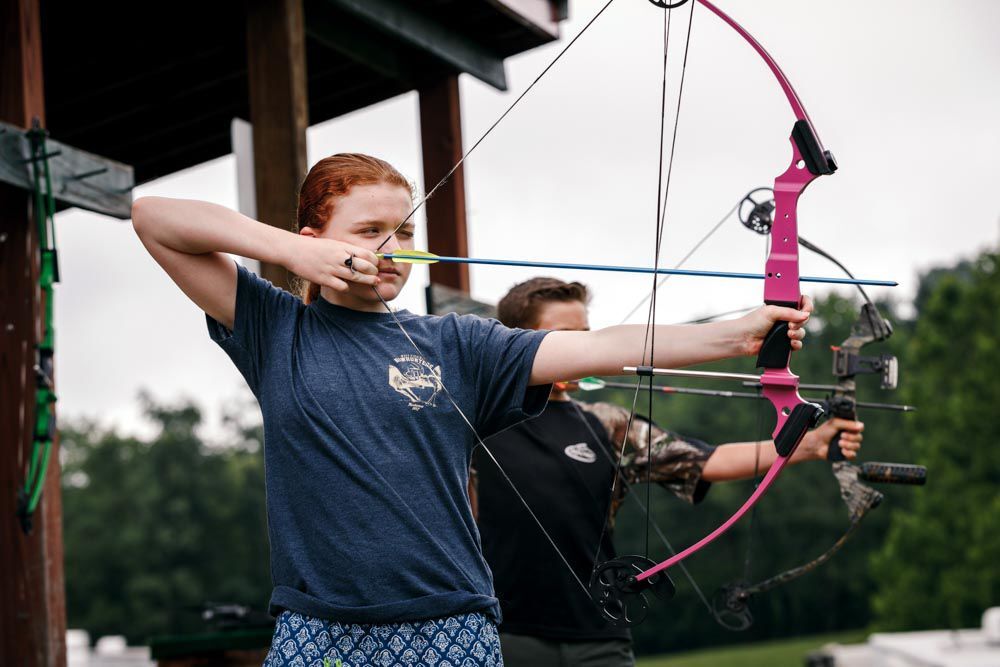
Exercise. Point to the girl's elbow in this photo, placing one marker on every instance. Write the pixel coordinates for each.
(144, 211)
(140, 214)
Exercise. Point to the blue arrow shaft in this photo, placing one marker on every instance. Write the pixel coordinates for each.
(643, 269)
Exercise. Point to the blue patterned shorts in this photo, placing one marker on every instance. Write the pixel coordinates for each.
(466, 640)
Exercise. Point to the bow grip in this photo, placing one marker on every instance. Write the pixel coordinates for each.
(804, 416)
(776, 349)
(844, 408)
(833, 451)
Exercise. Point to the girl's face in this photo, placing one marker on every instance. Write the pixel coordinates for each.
(364, 217)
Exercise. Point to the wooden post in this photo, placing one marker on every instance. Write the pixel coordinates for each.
(279, 111)
(32, 595)
(441, 141)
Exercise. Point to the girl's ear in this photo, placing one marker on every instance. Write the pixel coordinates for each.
(308, 231)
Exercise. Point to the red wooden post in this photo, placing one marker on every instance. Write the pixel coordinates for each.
(441, 140)
(32, 594)
(279, 112)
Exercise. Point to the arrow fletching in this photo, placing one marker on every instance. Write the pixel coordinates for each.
(590, 384)
(410, 257)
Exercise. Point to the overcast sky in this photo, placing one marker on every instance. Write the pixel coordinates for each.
(906, 93)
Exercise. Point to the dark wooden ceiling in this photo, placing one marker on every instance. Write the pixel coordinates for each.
(156, 85)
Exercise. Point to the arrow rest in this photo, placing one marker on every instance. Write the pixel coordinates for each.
(663, 4)
(620, 597)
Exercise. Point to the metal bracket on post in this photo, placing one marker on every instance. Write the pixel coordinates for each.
(79, 178)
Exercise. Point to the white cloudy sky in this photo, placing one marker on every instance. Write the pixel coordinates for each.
(905, 92)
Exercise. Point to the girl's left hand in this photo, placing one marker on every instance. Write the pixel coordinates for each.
(816, 443)
(758, 323)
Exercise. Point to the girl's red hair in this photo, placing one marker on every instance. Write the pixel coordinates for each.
(332, 178)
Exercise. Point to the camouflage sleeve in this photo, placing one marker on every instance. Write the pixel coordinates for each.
(677, 461)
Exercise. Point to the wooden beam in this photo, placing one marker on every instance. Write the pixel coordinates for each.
(540, 16)
(441, 141)
(403, 23)
(79, 178)
(279, 112)
(352, 38)
(32, 594)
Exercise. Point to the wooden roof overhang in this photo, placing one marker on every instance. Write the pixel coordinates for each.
(156, 85)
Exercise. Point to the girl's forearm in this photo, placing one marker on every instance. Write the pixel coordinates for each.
(198, 227)
(575, 354)
(675, 346)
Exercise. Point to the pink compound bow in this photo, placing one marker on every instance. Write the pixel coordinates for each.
(618, 586)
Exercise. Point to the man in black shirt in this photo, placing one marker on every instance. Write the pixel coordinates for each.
(563, 463)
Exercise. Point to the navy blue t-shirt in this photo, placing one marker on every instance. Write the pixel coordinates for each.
(366, 459)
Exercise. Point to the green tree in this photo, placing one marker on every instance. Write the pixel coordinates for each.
(940, 566)
(155, 528)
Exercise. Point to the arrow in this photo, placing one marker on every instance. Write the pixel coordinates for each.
(422, 257)
(594, 384)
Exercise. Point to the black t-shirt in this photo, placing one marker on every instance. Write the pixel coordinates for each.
(566, 480)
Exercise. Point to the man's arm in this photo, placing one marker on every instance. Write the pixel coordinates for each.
(743, 460)
(677, 461)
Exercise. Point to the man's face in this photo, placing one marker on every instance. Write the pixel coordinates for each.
(563, 316)
(364, 217)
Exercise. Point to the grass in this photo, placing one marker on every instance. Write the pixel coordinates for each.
(779, 653)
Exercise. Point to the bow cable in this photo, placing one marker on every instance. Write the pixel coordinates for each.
(490, 129)
(399, 325)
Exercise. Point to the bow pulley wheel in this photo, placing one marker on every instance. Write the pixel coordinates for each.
(756, 211)
(663, 4)
(729, 606)
(621, 597)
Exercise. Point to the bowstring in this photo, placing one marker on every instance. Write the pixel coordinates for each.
(661, 214)
(626, 485)
(758, 444)
(479, 441)
(490, 129)
(649, 337)
(649, 334)
(661, 206)
(399, 324)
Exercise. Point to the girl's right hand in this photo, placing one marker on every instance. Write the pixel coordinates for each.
(331, 263)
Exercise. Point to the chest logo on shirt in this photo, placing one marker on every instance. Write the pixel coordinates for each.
(416, 380)
(581, 452)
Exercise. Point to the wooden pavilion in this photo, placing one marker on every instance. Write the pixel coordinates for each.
(144, 90)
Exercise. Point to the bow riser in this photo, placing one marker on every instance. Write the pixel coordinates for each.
(781, 272)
